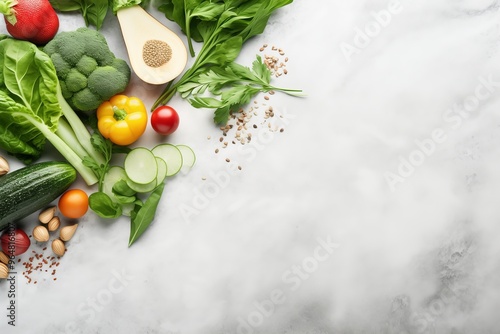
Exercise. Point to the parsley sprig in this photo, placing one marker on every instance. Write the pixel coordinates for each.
(231, 87)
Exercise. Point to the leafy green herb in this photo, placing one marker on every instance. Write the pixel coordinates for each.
(94, 12)
(122, 188)
(104, 146)
(144, 215)
(223, 26)
(234, 83)
(104, 206)
(123, 193)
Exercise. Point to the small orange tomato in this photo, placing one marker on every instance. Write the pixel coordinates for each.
(74, 203)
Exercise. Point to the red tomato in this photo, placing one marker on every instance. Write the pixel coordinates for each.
(165, 120)
(73, 203)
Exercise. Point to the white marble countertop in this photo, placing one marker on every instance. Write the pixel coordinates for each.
(374, 211)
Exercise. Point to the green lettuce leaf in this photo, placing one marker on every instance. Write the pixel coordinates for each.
(28, 89)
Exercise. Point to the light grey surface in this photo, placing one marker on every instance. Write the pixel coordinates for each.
(375, 211)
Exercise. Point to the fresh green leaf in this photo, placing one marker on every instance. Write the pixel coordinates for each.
(121, 4)
(104, 206)
(66, 5)
(105, 147)
(221, 115)
(18, 136)
(125, 199)
(205, 102)
(144, 216)
(122, 188)
(261, 71)
(226, 51)
(238, 95)
(93, 12)
(207, 11)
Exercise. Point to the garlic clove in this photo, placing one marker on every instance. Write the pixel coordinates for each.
(54, 224)
(46, 215)
(4, 258)
(67, 232)
(58, 247)
(4, 166)
(41, 234)
(4, 271)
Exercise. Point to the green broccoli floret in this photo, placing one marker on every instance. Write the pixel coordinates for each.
(87, 69)
(62, 67)
(86, 65)
(85, 99)
(105, 80)
(75, 81)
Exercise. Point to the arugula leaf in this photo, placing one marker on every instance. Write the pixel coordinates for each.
(144, 215)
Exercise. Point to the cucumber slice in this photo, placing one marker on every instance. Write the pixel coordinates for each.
(188, 156)
(162, 170)
(140, 166)
(171, 155)
(141, 188)
(114, 174)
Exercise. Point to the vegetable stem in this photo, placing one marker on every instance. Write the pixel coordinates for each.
(66, 133)
(66, 151)
(188, 34)
(81, 132)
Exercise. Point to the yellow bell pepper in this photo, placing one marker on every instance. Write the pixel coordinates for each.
(122, 119)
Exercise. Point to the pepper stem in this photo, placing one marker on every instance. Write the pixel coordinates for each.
(119, 114)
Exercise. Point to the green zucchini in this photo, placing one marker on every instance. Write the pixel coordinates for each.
(31, 188)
